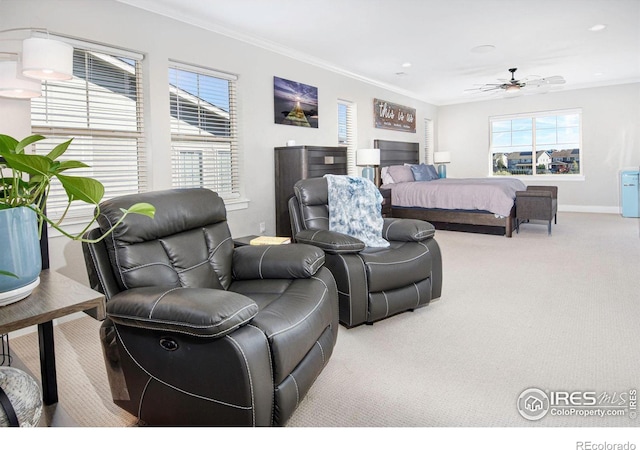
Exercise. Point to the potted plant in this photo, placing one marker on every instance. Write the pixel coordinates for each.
(25, 182)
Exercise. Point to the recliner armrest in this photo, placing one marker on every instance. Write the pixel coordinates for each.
(407, 230)
(200, 312)
(285, 261)
(330, 241)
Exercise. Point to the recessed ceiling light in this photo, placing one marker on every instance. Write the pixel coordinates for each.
(483, 49)
(598, 27)
(406, 65)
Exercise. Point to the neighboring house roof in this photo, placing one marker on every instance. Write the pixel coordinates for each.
(574, 153)
(186, 108)
(526, 155)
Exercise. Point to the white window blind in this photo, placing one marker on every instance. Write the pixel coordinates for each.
(101, 109)
(428, 141)
(204, 139)
(347, 114)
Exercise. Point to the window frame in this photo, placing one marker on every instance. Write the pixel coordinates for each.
(90, 127)
(350, 120)
(212, 177)
(532, 116)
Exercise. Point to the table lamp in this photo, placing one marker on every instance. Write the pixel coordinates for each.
(369, 158)
(442, 158)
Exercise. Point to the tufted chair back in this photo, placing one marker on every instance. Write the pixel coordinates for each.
(187, 244)
(312, 200)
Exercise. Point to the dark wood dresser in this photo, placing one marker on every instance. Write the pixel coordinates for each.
(298, 163)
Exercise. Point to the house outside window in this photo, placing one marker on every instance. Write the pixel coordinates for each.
(204, 129)
(101, 109)
(347, 132)
(534, 144)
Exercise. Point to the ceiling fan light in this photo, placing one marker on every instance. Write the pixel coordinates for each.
(47, 59)
(512, 88)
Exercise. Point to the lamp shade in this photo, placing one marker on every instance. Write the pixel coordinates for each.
(14, 85)
(368, 157)
(47, 59)
(442, 157)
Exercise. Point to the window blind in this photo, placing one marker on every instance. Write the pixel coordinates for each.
(347, 132)
(428, 141)
(204, 139)
(101, 109)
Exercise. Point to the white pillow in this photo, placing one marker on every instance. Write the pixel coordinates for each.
(386, 177)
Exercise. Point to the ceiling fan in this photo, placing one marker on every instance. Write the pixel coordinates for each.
(514, 86)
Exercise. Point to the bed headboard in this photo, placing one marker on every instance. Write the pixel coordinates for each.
(396, 153)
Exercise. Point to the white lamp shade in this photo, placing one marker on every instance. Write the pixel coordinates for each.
(47, 59)
(442, 157)
(368, 157)
(14, 85)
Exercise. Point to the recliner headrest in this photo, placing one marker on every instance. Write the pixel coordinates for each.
(177, 210)
(312, 191)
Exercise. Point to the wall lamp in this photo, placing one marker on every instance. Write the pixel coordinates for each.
(42, 58)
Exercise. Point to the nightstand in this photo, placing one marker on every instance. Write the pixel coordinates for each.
(386, 202)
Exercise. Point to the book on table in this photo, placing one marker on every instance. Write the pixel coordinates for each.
(270, 240)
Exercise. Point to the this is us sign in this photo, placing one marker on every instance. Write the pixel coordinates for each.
(394, 117)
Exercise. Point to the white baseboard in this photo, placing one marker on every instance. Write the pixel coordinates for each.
(590, 209)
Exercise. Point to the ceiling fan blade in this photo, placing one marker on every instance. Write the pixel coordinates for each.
(534, 82)
(556, 79)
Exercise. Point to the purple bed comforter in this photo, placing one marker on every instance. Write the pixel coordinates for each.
(485, 194)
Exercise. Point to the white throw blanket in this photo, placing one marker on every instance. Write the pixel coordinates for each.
(355, 205)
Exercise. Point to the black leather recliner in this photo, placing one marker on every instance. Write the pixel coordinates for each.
(199, 332)
(373, 283)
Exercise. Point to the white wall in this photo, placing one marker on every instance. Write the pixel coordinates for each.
(160, 39)
(610, 140)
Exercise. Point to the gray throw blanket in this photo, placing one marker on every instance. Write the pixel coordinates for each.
(355, 205)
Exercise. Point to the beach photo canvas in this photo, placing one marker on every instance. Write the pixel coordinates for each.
(295, 103)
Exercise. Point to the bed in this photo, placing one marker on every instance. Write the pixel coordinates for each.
(457, 211)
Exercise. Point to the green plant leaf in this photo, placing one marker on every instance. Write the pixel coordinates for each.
(59, 150)
(27, 141)
(8, 274)
(31, 164)
(7, 144)
(66, 165)
(145, 209)
(84, 189)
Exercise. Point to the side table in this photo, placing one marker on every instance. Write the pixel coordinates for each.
(56, 296)
(244, 240)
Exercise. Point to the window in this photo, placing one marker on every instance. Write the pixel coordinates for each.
(347, 132)
(203, 129)
(554, 137)
(101, 108)
(428, 141)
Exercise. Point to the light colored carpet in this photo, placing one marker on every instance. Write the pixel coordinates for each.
(557, 313)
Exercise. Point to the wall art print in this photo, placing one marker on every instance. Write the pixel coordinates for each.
(394, 117)
(295, 103)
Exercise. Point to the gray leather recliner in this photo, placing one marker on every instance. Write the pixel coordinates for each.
(199, 332)
(373, 283)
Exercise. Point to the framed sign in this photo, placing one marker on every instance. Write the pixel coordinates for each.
(394, 117)
(295, 103)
